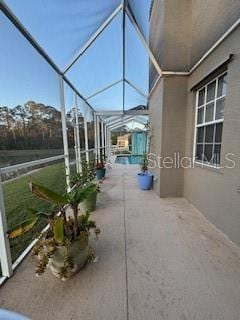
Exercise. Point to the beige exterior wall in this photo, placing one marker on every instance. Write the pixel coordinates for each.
(168, 133)
(173, 127)
(170, 19)
(156, 117)
(210, 19)
(215, 192)
(123, 141)
(183, 30)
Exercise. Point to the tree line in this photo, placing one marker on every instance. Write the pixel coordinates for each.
(35, 126)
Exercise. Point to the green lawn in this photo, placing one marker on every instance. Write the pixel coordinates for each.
(18, 197)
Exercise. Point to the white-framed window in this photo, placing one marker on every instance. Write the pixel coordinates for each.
(210, 103)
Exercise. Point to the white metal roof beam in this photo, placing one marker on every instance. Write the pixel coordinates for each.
(125, 123)
(121, 123)
(113, 84)
(136, 88)
(27, 35)
(118, 121)
(137, 112)
(109, 113)
(111, 119)
(93, 38)
(104, 89)
(127, 119)
(144, 42)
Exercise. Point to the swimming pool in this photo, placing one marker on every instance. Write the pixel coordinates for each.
(129, 159)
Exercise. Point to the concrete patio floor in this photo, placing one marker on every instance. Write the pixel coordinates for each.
(158, 259)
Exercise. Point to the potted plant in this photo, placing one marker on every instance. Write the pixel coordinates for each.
(100, 167)
(145, 179)
(87, 178)
(64, 246)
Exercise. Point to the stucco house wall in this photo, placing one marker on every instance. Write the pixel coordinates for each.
(215, 192)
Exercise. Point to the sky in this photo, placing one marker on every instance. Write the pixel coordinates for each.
(61, 28)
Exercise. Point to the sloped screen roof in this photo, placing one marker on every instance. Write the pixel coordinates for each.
(112, 72)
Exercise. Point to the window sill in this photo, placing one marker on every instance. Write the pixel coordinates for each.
(208, 167)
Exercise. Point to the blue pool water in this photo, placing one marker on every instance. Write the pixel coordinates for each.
(129, 159)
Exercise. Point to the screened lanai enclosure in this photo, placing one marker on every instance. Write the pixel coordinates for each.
(71, 73)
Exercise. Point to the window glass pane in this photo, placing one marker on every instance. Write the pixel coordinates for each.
(208, 150)
(211, 91)
(220, 108)
(217, 153)
(218, 134)
(199, 152)
(222, 85)
(209, 112)
(201, 97)
(200, 134)
(209, 137)
(200, 115)
(209, 130)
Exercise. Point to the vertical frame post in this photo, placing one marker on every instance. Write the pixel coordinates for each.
(110, 141)
(105, 139)
(102, 137)
(78, 143)
(64, 132)
(110, 138)
(98, 138)
(95, 135)
(123, 48)
(86, 131)
(5, 252)
(75, 138)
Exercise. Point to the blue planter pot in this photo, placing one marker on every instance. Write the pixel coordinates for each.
(145, 181)
(100, 173)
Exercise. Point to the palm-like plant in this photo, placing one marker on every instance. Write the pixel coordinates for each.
(63, 230)
(86, 176)
(100, 163)
(144, 163)
(74, 198)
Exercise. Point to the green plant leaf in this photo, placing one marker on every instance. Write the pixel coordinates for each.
(47, 194)
(80, 194)
(22, 228)
(58, 230)
(32, 211)
(40, 214)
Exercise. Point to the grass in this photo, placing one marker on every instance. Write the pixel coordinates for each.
(18, 197)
